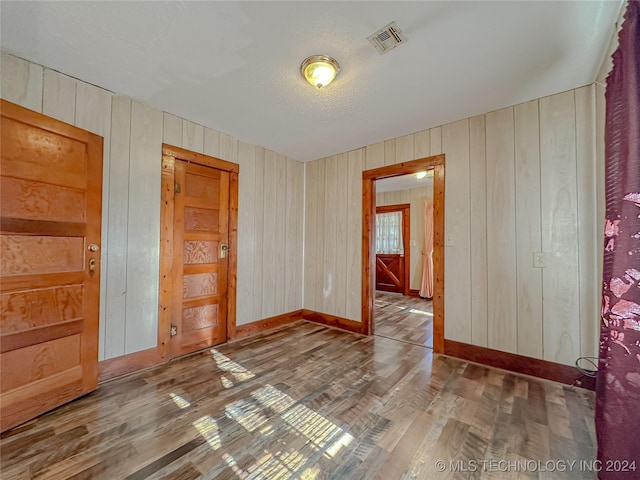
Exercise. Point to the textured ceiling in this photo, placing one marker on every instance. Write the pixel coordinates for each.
(234, 66)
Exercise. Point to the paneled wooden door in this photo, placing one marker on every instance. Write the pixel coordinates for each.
(392, 270)
(200, 259)
(51, 190)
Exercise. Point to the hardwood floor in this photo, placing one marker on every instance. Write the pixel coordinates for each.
(404, 318)
(310, 402)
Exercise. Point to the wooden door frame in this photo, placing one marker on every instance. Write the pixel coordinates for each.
(437, 163)
(405, 208)
(169, 155)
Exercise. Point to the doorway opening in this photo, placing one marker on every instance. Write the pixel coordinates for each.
(404, 270)
(435, 164)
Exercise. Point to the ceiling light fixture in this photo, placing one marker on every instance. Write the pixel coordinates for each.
(319, 70)
(420, 175)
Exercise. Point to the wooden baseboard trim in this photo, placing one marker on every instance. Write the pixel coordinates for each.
(254, 328)
(332, 321)
(519, 364)
(414, 293)
(119, 366)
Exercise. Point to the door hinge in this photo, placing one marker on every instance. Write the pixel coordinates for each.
(176, 187)
(174, 330)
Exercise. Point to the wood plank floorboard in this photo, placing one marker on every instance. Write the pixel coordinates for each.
(404, 318)
(314, 403)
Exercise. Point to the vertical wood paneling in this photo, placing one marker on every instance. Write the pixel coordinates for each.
(390, 152)
(21, 82)
(405, 149)
(589, 283)
(212, 142)
(299, 186)
(93, 113)
(501, 231)
(394, 198)
(478, 205)
(355, 160)
(172, 130)
(93, 109)
(246, 245)
(281, 234)
(117, 226)
(528, 234)
(566, 190)
(330, 236)
(559, 228)
(311, 261)
(192, 136)
(320, 235)
(227, 148)
(143, 243)
(435, 140)
(259, 207)
(291, 245)
(421, 144)
(131, 208)
(341, 218)
(374, 156)
(59, 96)
(496, 221)
(455, 142)
(269, 240)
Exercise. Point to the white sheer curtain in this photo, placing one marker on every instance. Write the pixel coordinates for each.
(389, 233)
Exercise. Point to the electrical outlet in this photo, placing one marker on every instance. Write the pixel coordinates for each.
(539, 260)
(413, 243)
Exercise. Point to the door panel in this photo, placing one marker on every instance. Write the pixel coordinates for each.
(51, 180)
(200, 273)
(390, 272)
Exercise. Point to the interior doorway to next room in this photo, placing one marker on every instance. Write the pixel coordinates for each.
(371, 178)
(403, 308)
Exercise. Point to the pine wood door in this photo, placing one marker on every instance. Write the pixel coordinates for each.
(51, 191)
(200, 260)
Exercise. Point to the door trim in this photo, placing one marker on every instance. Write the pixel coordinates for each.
(437, 163)
(169, 155)
(405, 208)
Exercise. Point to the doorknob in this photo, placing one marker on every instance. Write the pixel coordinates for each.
(223, 250)
(93, 247)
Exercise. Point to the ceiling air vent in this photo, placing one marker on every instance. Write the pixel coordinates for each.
(387, 38)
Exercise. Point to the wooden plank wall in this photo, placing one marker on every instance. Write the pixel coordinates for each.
(416, 198)
(494, 220)
(333, 235)
(519, 180)
(270, 217)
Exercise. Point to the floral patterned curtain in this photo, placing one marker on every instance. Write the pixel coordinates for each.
(389, 233)
(618, 385)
